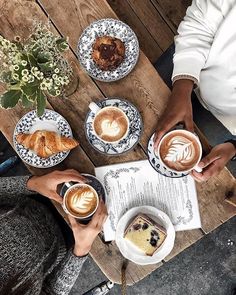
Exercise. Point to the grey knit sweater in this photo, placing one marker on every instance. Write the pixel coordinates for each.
(33, 256)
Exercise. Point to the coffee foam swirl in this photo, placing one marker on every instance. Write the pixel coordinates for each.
(82, 203)
(180, 150)
(110, 128)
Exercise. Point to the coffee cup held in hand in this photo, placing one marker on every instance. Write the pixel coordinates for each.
(180, 151)
(110, 123)
(80, 201)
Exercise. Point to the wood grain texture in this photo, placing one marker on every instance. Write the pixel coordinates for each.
(172, 11)
(154, 22)
(147, 43)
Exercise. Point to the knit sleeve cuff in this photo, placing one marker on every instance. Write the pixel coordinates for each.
(189, 66)
(186, 77)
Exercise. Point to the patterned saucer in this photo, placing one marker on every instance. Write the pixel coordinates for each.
(95, 183)
(126, 144)
(156, 163)
(114, 28)
(50, 121)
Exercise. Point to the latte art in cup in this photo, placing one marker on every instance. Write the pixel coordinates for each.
(81, 201)
(111, 124)
(180, 150)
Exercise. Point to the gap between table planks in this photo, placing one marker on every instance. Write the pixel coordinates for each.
(89, 91)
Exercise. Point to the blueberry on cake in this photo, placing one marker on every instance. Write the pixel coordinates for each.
(108, 52)
(145, 234)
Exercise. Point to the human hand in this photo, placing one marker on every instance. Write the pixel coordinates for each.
(215, 161)
(179, 109)
(85, 234)
(46, 185)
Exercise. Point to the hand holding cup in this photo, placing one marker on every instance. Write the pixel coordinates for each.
(46, 185)
(179, 109)
(85, 235)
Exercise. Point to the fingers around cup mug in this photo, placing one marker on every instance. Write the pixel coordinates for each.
(75, 175)
(162, 130)
(189, 125)
(100, 213)
(74, 224)
(54, 196)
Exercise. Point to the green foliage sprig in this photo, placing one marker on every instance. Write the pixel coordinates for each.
(33, 68)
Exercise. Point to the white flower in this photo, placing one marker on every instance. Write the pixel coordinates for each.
(31, 78)
(34, 70)
(54, 76)
(25, 72)
(16, 67)
(39, 75)
(13, 46)
(43, 86)
(58, 92)
(56, 70)
(25, 78)
(15, 76)
(24, 63)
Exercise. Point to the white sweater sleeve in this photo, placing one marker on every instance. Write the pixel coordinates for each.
(195, 36)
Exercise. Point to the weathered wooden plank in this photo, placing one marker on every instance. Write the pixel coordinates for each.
(172, 11)
(147, 43)
(154, 22)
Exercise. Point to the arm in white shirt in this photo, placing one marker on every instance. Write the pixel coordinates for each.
(196, 34)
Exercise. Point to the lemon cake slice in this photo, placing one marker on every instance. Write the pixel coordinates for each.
(145, 234)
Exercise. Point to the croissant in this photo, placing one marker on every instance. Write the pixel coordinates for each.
(46, 143)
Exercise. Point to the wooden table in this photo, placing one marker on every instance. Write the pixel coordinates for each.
(143, 87)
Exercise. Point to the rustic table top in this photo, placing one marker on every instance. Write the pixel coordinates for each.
(143, 87)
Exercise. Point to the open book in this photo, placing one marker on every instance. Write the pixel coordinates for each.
(135, 184)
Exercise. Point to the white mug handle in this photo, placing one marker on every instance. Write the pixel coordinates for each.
(198, 169)
(94, 107)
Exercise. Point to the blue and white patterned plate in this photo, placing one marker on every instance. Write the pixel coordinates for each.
(50, 121)
(113, 28)
(156, 163)
(126, 144)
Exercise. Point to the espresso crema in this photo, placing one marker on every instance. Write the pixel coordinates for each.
(180, 151)
(81, 201)
(111, 124)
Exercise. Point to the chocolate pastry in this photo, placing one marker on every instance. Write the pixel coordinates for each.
(108, 52)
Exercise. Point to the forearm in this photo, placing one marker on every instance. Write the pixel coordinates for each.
(62, 279)
(183, 88)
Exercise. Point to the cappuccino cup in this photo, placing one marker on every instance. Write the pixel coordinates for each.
(80, 200)
(180, 151)
(110, 123)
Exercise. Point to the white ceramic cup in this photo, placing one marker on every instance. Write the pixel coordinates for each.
(189, 134)
(97, 110)
(71, 186)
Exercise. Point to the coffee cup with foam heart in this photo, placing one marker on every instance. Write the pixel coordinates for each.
(110, 123)
(180, 151)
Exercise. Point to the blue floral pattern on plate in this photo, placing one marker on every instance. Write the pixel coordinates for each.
(26, 123)
(126, 144)
(114, 28)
